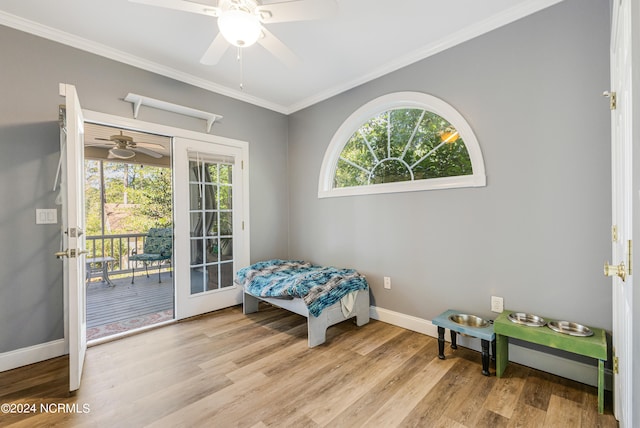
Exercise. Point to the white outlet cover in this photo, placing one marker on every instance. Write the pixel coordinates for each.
(497, 304)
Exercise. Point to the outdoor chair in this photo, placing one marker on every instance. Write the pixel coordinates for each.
(157, 247)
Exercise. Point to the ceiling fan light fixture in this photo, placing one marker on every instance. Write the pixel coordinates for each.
(122, 153)
(239, 27)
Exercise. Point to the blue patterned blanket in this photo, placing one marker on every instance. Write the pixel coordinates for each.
(318, 286)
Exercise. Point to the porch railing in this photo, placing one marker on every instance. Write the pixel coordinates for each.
(117, 246)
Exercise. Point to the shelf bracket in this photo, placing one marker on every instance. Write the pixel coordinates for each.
(140, 100)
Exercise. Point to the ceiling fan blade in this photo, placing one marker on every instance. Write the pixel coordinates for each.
(148, 145)
(216, 49)
(278, 49)
(147, 152)
(96, 144)
(299, 10)
(183, 5)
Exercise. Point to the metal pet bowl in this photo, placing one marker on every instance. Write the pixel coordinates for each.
(570, 328)
(469, 320)
(526, 319)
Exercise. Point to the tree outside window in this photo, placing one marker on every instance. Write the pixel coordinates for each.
(136, 198)
(402, 145)
(404, 141)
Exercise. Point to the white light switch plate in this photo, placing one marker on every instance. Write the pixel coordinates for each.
(47, 216)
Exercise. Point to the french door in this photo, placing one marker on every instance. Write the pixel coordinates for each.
(73, 237)
(622, 209)
(211, 236)
(204, 264)
(211, 221)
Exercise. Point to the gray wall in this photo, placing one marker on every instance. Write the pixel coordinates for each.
(31, 304)
(538, 233)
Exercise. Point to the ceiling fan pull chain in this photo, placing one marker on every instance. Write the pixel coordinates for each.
(239, 58)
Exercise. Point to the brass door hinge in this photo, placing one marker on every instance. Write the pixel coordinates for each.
(615, 365)
(614, 233)
(613, 99)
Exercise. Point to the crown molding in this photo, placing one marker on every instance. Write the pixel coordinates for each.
(77, 42)
(501, 19)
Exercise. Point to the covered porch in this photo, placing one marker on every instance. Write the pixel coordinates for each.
(116, 300)
(128, 214)
(123, 306)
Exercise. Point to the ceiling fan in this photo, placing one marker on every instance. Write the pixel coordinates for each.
(123, 147)
(241, 22)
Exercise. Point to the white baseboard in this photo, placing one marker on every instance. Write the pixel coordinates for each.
(32, 354)
(574, 370)
(405, 321)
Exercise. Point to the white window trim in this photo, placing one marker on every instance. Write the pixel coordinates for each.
(384, 103)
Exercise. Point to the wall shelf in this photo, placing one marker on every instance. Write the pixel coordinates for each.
(140, 100)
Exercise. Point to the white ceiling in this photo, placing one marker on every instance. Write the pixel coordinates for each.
(365, 40)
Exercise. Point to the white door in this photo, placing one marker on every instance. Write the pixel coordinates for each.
(72, 193)
(621, 154)
(211, 227)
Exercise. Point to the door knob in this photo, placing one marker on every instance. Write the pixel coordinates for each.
(61, 254)
(613, 270)
(71, 253)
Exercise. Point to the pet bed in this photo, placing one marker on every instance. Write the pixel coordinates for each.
(324, 295)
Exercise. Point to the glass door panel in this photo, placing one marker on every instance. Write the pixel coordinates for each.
(211, 223)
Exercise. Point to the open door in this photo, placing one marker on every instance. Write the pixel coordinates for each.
(73, 237)
(622, 210)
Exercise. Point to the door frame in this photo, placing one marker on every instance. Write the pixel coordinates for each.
(177, 134)
(624, 186)
(634, 366)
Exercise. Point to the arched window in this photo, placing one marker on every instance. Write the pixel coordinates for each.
(401, 142)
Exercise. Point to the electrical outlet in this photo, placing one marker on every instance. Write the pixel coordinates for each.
(387, 282)
(497, 304)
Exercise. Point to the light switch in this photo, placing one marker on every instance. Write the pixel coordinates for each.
(47, 216)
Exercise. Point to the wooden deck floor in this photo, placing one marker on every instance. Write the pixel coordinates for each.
(123, 301)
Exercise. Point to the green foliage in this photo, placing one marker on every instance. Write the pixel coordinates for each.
(153, 193)
(136, 198)
(402, 145)
(93, 222)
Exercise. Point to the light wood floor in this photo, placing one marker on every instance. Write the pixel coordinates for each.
(227, 369)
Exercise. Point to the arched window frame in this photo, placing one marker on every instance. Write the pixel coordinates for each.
(400, 100)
